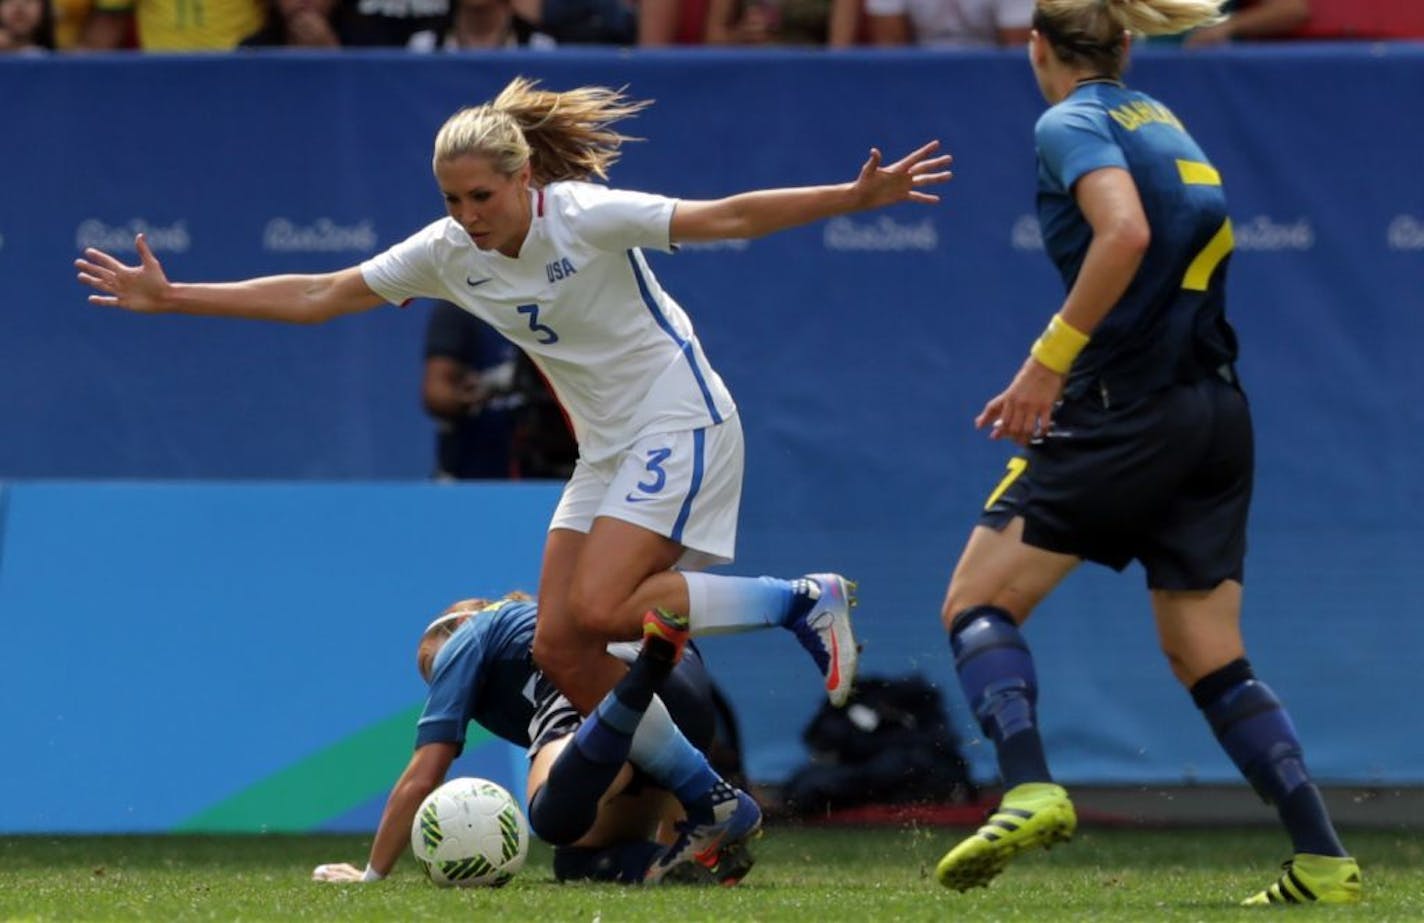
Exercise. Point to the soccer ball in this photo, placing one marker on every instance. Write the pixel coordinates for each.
(469, 833)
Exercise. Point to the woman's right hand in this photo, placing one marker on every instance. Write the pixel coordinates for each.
(137, 288)
(339, 873)
(1023, 411)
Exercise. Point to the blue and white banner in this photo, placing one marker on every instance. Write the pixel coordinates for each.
(859, 351)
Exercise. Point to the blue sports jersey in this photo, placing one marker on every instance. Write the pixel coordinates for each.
(485, 673)
(1170, 325)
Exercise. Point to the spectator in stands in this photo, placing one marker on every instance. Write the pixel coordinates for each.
(168, 25)
(603, 22)
(1252, 19)
(544, 446)
(414, 24)
(297, 24)
(495, 415)
(468, 389)
(70, 19)
(948, 23)
(26, 26)
(477, 25)
(582, 22)
(666, 22)
(783, 22)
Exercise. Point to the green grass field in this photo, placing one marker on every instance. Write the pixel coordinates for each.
(803, 875)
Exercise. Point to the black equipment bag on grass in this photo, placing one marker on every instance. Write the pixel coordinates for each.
(890, 744)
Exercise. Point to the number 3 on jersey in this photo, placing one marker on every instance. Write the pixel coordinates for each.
(545, 334)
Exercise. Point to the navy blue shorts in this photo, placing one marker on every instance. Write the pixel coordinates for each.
(1165, 480)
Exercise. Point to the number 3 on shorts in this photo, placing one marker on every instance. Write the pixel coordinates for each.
(655, 467)
(1017, 466)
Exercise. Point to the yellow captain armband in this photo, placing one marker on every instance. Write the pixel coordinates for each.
(1059, 344)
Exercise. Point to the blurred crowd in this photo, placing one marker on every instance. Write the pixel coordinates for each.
(40, 26)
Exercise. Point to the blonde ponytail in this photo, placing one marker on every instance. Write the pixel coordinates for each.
(563, 135)
(1091, 32)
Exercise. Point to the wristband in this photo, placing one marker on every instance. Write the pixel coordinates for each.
(371, 874)
(1059, 345)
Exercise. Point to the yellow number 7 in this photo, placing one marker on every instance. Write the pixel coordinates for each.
(1017, 466)
(1198, 274)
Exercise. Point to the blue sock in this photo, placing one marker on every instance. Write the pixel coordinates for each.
(721, 605)
(996, 670)
(1257, 734)
(607, 734)
(661, 750)
(565, 807)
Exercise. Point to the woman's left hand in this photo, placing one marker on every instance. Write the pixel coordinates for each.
(901, 181)
(1024, 410)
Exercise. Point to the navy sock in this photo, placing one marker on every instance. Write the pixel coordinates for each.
(625, 863)
(607, 733)
(565, 807)
(996, 671)
(1257, 734)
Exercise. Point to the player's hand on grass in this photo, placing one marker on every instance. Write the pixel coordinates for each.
(137, 288)
(338, 872)
(901, 181)
(1024, 410)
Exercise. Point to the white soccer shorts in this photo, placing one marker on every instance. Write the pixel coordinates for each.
(686, 485)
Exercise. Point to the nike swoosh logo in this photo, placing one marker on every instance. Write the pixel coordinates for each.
(474, 283)
(633, 498)
(833, 679)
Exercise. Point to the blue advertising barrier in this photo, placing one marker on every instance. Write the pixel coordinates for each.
(859, 350)
(235, 656)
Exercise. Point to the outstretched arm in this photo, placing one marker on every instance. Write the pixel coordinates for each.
(422, 776)
(301, 299)
(753, 214)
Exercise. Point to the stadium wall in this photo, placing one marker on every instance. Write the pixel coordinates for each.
(215, 549)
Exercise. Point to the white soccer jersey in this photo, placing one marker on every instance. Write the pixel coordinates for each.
(619, 352)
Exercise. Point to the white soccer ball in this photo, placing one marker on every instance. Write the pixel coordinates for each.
(470, 833)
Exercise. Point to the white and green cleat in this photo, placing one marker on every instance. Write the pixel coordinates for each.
(1030, 815)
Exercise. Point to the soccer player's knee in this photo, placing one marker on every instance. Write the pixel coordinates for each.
(593, 614)
(947, 612)
(1221, 684)
(957, 603)
(556, 657)
(559, 822)
(1178, 666)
